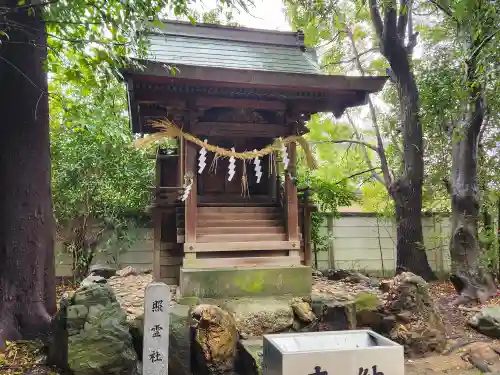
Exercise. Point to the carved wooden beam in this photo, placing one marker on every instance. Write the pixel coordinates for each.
(232, 129)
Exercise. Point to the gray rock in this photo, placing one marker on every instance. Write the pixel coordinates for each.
(103, 270)
(259, 316)
(317, 273)
(99, 341)
(334, 315)
(89, 280)
(487, 321)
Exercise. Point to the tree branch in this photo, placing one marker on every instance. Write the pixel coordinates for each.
(481, 45)
(10, 9)
(381, 151)
(390, 20)
(372, 147)
(369, 163)
(359, 174)
(376, 19)
(443, 8)
(351, 59)
(403, 19)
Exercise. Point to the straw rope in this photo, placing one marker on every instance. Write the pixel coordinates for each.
(167, 129)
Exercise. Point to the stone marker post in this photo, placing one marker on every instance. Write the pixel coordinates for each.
(156, 329)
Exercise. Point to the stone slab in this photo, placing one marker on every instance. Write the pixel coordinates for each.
(156, 329)
(254, 347)
(246, 282)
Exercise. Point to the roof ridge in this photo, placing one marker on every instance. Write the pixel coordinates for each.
(228, 27)
(231, 33)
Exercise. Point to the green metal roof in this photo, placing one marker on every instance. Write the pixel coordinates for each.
(213, 46)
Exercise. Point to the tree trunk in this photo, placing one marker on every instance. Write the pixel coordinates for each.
(27, 280)
(411, 253)
(468, 276)
(407, 190)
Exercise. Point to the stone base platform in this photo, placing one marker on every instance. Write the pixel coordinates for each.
(245, 282)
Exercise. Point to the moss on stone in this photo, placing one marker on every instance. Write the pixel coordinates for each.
(366, 301)
(269, 281)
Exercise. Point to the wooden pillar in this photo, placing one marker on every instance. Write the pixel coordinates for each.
(292, 207)
(191, 203)
(307, 233)
(157, 218)
(272, 182)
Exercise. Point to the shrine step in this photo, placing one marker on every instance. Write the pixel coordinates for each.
(243, 229)
(237, 209)
(221, 222)
(253, 237)
(240, 216)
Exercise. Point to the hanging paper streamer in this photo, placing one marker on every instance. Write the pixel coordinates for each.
(213, 165)
(258, 168)
(232, 166)
(202, 158)
(286, 160)
(188, 184)
(244, 181)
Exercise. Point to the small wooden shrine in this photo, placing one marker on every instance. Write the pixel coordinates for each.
(236, 89)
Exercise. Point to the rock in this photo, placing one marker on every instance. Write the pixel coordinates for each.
(127, 271)
(404, 316)
(89, 280)
(302, 310)
(102, 270)
(385, 286)
(253, 366)
(317, 273)
(259, 316)
(369, 315)
(487, 321)
(334, 315)
(348, 276)
(99, 341)
(366, 301)
(368, 319)
(214, 340)
(424, 331)
(336, 275)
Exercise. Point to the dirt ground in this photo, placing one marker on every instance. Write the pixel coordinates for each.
(462, 339)
(455, 360)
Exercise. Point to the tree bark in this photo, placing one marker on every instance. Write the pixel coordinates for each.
(407, 190)
(468, 276)
(411, 253)
(27, 277)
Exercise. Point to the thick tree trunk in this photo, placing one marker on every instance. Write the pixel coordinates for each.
(407, 191)
(27, 280)
(411, 253)
(468, 276)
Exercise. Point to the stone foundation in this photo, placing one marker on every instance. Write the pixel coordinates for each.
(246, 282)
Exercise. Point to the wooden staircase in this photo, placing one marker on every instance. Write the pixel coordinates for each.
(240, 236)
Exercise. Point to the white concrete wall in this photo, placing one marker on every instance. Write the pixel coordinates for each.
(368, 243)
(357, 241)
(138, 253)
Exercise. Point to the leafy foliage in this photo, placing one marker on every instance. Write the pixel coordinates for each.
(100, 182)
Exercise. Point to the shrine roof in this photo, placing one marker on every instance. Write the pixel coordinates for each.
(217, 46)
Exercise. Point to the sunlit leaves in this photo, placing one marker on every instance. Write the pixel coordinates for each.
(96, 172)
